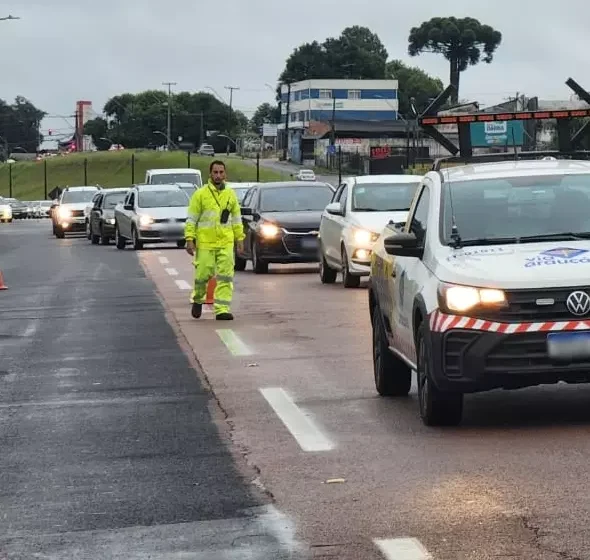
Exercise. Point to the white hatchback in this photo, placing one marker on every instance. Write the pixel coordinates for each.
(352, 222)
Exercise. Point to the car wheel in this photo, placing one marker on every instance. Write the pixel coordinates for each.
(120, 241)
(348, 279)
(181, 244)
(437, 408)
(260, 267)
(393, 377)
(137, 244)
(327, 275)
(88, 231)
(59, 233)
(239, 263)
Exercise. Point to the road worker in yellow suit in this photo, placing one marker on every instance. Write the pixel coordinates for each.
(213, 226)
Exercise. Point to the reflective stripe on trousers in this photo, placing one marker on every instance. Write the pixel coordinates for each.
(218, 263)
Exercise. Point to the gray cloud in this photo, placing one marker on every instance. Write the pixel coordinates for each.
(64, 50)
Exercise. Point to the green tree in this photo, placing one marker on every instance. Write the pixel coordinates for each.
(140, 120)
(19, 126)
(463, 42)
(265, 113)
(413, 83)
(98, 129)
(357, 53)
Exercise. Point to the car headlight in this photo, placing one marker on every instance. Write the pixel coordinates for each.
(64, 212)
(111, 221)
(463, 298)
(145, 220)
(269, 230)
(364, 237)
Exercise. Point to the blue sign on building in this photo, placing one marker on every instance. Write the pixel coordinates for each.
(497, 133)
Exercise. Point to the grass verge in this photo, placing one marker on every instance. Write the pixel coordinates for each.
(110, 169)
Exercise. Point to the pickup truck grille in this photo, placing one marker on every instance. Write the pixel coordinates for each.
(77, 213)
(523, 306)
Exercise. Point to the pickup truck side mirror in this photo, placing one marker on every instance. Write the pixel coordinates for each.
(403, 245)
(128, 206)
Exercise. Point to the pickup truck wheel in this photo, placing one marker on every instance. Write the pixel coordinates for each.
(137, 244)
(120, 241)
(348, 279)
(327, 275)
(393, 377)
(437, 408)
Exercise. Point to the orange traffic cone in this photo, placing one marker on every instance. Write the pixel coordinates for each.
(3, 286)
(210, 291)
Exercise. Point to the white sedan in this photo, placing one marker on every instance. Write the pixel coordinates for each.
(305, 175)
(352, 222)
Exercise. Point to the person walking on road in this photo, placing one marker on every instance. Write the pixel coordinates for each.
(213, 227)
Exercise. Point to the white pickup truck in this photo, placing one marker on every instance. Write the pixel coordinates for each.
(173, 175)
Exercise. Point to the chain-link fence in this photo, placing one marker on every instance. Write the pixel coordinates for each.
(37, 180)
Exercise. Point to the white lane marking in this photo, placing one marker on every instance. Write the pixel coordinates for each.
(183, 285)
(234, 343)
(302, 428)
(172, 271)
(163, 260)
(31, 329)
(402, 549)
(157, 252)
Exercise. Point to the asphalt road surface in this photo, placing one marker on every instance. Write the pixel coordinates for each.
(294, 441)
(111, 446)
(286, 169)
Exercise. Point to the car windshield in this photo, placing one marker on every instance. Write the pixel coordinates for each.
(241, 192)
(295, 199)
(76, 197)
(383, 197)
(111, 200)
(189, 190)
(162, 199)
(517, 209)
(170, 178)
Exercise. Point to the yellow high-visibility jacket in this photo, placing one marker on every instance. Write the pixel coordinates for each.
(203, 223)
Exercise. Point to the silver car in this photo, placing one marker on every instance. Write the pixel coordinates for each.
(151, 214)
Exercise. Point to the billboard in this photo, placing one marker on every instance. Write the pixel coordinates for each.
(497, 133)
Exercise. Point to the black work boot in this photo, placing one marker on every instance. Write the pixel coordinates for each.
(197, 310)
(224, 317)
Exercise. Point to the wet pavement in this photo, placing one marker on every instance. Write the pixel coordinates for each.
(112, 445)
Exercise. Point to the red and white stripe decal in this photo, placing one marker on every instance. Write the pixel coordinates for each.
(441, 322)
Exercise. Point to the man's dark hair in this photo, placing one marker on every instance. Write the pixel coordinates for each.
(216, 162)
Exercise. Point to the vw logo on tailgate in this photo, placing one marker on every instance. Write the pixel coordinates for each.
(578, 303)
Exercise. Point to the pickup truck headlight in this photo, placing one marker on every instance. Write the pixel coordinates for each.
(269, 230)
(64, 212)
(461, 299)
(145, 220)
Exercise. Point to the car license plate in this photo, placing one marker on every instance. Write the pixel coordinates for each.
(569, 347)
(309, 243)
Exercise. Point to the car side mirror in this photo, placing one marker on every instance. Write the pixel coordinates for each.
(335, 209)
(399, 225)
(246, 211)
(128, 207)
(403, 245)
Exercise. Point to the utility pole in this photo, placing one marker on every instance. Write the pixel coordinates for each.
(333, 131)
(286, 144)
(169, 117)
(202, 129)
(231, 99)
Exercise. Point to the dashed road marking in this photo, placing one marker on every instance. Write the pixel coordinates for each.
(163, 260)
(172, 271)
(31, 329)
(234, 343)
(402, 549)
(183, 285)
(302, 428)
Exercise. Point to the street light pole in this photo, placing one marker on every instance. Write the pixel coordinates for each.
(231, 98)
(169, 117)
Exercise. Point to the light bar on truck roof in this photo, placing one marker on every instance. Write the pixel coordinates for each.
(518, 116)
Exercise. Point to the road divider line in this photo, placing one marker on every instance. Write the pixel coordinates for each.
(183, 285)
(172, 271)
(302, 428)
(234, 343)
(402, 549)
(163, 260)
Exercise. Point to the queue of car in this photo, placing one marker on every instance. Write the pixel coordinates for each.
(14, 209)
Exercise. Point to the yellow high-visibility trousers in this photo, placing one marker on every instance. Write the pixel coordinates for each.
(218, 263)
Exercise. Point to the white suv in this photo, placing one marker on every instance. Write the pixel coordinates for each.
(487, 286)
(353, 221)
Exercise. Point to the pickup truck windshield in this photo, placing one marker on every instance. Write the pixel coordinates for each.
(162, 199)
(521, 208)
(171, 178)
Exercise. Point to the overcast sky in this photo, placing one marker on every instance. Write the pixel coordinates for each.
(65, 50)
